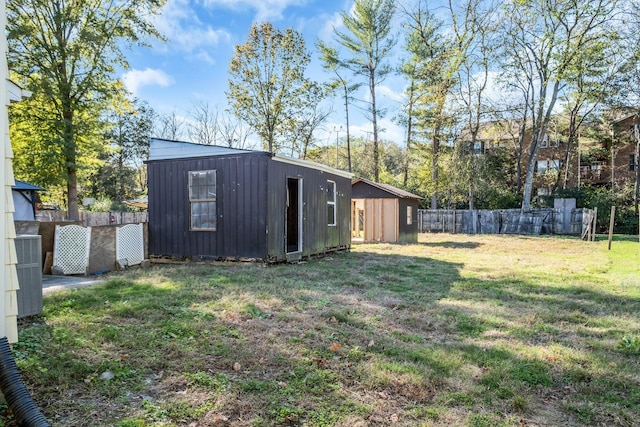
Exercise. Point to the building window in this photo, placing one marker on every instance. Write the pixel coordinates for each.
(549, 142)
(545, 142)
(202, 198)
(632, 162)
(409, 216)
(331, 203)
(542, 166)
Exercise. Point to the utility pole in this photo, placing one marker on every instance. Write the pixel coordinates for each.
(337, 144)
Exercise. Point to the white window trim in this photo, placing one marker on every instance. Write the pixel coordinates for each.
(332, 221)
(193, 200)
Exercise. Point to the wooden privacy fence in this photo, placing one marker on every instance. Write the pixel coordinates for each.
(93, 219)
(505, 221)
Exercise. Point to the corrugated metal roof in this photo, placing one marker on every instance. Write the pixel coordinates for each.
(21, 185)
(163, 149)
(395, 191)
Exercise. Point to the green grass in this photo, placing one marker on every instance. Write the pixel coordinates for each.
(455, 330)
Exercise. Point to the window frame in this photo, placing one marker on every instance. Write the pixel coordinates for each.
(194, 200)
(332, 222)
(409, 215)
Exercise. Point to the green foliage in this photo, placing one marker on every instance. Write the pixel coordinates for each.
(630, 344)
(67, 53)
(625, 222)
(368, 41)
(266, 80)
(122, 175)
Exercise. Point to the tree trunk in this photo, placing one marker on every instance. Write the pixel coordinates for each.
(531, 165)
(70, 160)
(346, 115)
(434, 166)
(374, 117)
(637, 184)
(405, 179)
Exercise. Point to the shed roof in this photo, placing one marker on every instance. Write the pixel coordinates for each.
(164, 149)
(21, 185)
(394, 191)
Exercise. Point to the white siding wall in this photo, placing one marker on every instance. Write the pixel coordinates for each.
(8, 275)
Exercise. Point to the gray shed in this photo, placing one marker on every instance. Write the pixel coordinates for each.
(24, 200)
(212, 202)
(383, 213)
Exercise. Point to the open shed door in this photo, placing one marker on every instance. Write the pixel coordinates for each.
(293, 228)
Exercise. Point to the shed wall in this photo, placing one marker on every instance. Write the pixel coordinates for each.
(318, 236)
(408, 233)
(241, 205)
(362, 190)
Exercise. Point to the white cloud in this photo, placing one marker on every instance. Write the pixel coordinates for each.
(135, 79)
(389, 94)
(331, 22)
(266, 10)
(184, 30)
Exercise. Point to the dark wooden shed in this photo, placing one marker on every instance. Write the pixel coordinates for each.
(212, 202)
(383, 213)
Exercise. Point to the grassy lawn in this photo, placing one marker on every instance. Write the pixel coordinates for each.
(455, 330)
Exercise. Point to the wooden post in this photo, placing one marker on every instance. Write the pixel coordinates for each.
(611, 221)
(589, 226)
(454, 221)
(595, 224)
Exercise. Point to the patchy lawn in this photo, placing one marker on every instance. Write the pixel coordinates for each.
(454, 330)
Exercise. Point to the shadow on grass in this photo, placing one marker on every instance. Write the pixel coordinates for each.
(351, 338)
(452, 245)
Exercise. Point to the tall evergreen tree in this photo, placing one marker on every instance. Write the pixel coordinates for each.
(369, 43)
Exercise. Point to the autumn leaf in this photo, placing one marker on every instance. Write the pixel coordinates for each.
(236, 366)
(334, 347)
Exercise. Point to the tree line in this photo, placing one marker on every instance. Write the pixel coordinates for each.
(529, 67)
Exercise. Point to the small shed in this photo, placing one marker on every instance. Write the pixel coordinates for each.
(213, 202)
(383, 213)
(24, 200)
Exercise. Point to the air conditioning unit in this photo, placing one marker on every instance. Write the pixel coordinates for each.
(29, 268)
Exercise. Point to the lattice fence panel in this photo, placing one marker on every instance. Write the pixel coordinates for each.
(71, 248)
(130, 243)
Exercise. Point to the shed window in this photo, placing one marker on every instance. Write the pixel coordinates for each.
(202, 198)
(331, 203)
(409, 218)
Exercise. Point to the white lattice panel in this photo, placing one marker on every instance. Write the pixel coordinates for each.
(71, 248)
(130, 243)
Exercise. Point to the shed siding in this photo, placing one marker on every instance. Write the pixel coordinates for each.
(408, 233)
(317, 236)
(241, 206)
(362, 190)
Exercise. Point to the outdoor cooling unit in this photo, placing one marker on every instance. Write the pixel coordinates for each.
(29, 268)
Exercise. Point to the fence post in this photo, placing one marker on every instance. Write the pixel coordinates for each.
(595, 224)
(611, 222)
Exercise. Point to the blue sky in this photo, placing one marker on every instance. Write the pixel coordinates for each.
(192, 66)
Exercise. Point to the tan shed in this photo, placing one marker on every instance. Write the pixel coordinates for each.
(383, 213)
